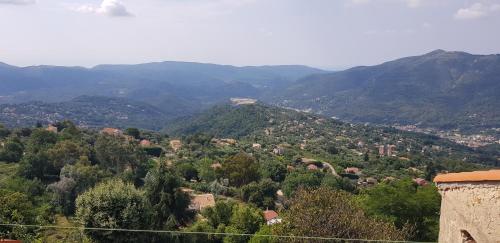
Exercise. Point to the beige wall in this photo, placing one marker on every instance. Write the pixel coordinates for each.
(474, 207)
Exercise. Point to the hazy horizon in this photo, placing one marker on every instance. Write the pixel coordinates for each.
(331, 35)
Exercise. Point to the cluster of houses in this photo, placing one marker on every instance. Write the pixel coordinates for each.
(117, 132)
(199, 202)
(387, 150)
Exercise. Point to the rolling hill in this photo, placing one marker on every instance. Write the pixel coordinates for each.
(274, 125)
(182, 87)
(86, 111)
(231, 120)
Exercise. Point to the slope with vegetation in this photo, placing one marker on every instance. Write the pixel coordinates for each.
(262, 158)
(439, 89)
(88, 111)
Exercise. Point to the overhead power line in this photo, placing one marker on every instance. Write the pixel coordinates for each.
(173, 232)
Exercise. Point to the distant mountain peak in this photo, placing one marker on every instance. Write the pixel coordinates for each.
(436, 52)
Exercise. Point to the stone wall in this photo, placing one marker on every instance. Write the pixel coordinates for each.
(470, 208)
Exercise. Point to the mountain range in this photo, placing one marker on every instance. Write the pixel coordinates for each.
(440, 89)
(445, 90)
(176, 88)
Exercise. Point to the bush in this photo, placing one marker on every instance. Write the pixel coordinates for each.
(113, 204)
(332, 213)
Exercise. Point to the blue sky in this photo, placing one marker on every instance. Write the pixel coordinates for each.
(332, 34)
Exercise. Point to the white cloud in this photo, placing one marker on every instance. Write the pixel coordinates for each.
(112, 8)
(17, 2)
(477, 10)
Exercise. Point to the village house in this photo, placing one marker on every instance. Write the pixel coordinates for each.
(470, 206)
(271, 217)
(51, 128)
(175, 144)
(112, 131)
(201, 201)
(216, 165)
(361, 144)
(224, 142)
(280, 195)
(352, 170)
(387, 150)
(381, 150)
(145, 143)
(256, 146)
(278, 151)
(391, 150)
(303, 146)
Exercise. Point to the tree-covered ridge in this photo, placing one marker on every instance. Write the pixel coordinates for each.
(440, 89)
(230, 120)
(87, 111)
(317, 134)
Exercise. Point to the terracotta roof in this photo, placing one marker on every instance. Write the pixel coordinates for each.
(145, 143)
(352, 170)
(490, 175)
(270, 214)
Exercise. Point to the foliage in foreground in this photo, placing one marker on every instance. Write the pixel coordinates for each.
(403, 202)
(112, 204)
(331, 213)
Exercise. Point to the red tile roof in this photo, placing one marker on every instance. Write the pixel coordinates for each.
(490, 175)
(270, 214)
(145, 143)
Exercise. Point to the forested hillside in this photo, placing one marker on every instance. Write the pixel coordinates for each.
(88, 111)
(440, 89)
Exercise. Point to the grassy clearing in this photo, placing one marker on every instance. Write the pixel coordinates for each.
(7, 170)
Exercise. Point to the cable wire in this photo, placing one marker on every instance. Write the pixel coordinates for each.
(203, 233)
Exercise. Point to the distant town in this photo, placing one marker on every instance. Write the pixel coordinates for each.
(472, 140)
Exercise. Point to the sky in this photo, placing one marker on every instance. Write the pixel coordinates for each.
(329, 34)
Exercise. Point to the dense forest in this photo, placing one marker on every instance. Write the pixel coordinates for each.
(223, 176)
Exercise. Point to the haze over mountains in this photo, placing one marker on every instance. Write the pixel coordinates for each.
(176, 88)
(439, 89)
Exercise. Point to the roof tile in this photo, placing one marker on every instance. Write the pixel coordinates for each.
(490, 175)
